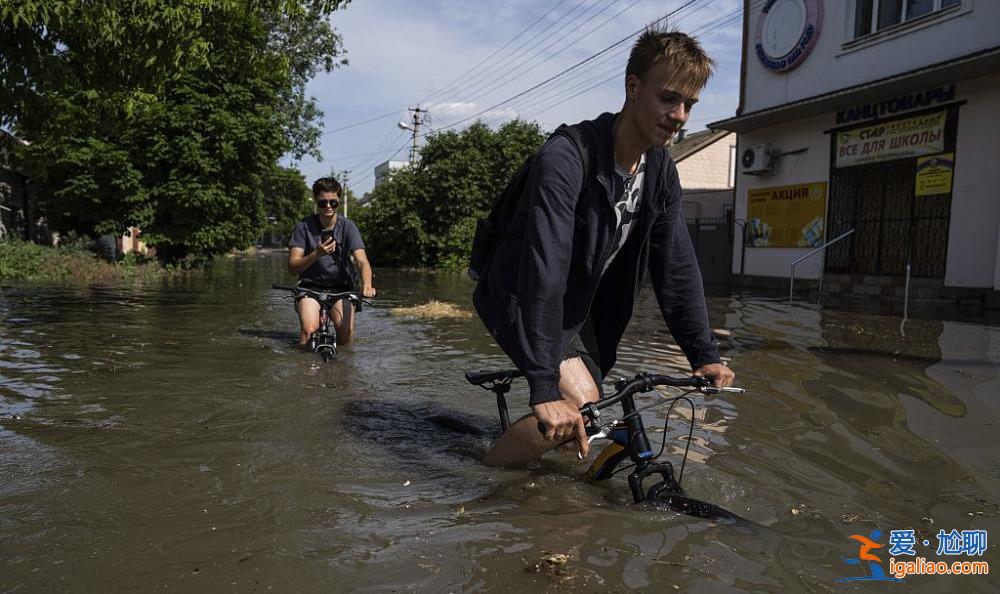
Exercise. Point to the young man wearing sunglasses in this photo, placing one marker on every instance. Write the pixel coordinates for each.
(320, 253)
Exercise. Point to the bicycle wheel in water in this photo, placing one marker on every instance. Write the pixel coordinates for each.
(327, 351)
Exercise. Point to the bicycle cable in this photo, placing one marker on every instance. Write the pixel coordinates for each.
(673, 400)
(663, 443)
(687, 447)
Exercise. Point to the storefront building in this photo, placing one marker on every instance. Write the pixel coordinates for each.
(877, 119)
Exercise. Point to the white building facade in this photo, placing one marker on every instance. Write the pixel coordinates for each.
(384, 170)
(877, 116)
(706, 164)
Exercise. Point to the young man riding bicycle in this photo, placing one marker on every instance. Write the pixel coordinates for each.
(561, 286)
(320, 252)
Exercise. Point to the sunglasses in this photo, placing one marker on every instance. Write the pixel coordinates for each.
(326, 203)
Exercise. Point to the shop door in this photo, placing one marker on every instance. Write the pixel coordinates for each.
(877, 201)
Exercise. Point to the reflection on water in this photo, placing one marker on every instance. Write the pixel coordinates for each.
(169, 436)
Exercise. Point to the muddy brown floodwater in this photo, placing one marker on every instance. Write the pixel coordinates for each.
(166, 437)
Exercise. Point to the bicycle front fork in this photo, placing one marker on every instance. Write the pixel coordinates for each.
(641, 452)
(322, 341)
(667, 484)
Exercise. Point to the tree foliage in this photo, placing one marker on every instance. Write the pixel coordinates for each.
(426, 216)
(170, 115)
(286, 200)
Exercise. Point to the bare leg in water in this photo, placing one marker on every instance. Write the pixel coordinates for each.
(522, 442)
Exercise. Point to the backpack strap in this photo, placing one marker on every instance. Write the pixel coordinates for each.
(490, 230)
(582, 138)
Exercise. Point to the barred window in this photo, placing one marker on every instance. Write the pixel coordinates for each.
(871, 16)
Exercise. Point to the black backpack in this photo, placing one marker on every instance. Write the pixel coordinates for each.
(490, 231)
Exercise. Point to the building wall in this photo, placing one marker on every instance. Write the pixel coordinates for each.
(12, 201)
(383, 170)
(706, 204)
(975, 198)
(812, 165)
(973, 258)
(711, 168)
(836, 62)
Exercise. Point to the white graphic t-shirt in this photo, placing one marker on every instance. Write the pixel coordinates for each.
(627, 207)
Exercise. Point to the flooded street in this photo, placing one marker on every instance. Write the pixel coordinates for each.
(167, 437)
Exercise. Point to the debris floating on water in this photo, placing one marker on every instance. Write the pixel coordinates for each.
(556, 558)
(434, 310)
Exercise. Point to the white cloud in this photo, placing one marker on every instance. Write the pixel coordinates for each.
(402, 52)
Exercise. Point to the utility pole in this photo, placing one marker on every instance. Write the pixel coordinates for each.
(420, 116)
(341, 175)
(345, 174)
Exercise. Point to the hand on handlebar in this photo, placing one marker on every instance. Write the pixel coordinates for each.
(562, 421)
(721, 376)
(368, 291)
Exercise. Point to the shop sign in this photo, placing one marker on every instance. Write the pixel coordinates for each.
(934, 174)
(787, 31)
(897, 105)
(787, 216)
(898, 139)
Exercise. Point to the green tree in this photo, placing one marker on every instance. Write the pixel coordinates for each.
(287, 199)
(393, 232)
(168, 115)
(459, 176)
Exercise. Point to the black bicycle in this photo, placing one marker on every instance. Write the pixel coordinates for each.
(324, 340)
(627, 436)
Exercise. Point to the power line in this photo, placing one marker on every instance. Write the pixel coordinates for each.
(371, 174)
(517, 73)
(569, 86)
(369, 164)
(711, 27)
(571, 68)
(570, 92)
(495, 52)
(394, 112)
(517, 52)
(361, 123)
(573, 81)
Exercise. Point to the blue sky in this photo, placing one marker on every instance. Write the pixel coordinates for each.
(403, 53)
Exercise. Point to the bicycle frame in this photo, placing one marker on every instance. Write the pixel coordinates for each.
(629, 439)
(627, 434)
(324, 340)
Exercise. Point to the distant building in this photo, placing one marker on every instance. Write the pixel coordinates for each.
(13, 189)
(383, 170)
(877, 116)
(706, 163)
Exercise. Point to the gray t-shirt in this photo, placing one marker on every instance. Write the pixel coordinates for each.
(629, 187)
(331, 270)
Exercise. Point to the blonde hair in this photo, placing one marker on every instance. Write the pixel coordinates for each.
(681, 52)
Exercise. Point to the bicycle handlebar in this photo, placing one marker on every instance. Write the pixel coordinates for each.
(321, 295)
(645, 382)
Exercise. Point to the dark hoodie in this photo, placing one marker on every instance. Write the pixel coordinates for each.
(545, 277)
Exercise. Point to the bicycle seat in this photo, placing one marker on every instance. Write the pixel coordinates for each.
(478, 377)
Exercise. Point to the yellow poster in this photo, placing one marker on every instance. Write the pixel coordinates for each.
(934, 174)
(787, 216)
(898, 139)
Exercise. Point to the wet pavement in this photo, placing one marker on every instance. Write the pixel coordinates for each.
(167, 437)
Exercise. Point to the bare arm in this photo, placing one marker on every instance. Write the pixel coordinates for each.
(298, 261)
(365, 268)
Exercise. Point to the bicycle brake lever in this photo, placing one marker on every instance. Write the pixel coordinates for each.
(717, 390)
(602, 434)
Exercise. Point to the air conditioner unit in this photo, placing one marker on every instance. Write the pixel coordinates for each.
(757, 160)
